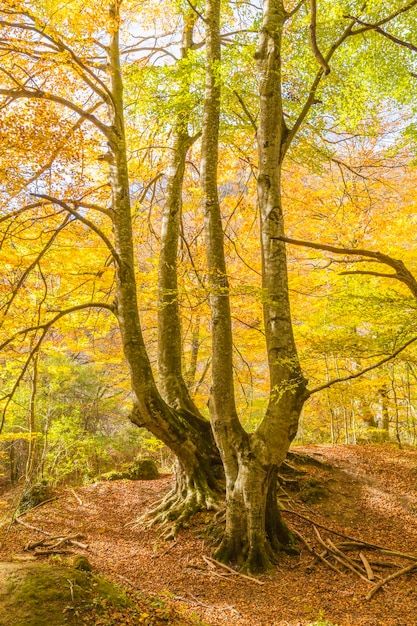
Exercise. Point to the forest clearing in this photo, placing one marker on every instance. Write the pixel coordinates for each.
(208, 295)
(366, 492)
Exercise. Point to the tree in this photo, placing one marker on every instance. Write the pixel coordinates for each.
(179, 425)
(69, 74)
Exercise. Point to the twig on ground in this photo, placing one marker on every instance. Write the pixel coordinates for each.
(229, 569)
(316, 555)
(47, 551)
(384, 581)
(39, 505)
(217, 608)
(403, 555)
(334, 532)
(367, 565)
(69, 538)
(129, 582)
(218, 575)
(171, 547)
(77, 497)
(38, 530)
(347, 562)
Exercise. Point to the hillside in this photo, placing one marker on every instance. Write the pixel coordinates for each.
(363, 492)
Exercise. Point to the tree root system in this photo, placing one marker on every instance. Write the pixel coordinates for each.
(336, 558)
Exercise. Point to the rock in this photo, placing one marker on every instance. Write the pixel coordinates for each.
(35, 594)
(81, 563)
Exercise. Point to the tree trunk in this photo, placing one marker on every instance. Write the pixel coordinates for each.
(254, 529)
(179, 426)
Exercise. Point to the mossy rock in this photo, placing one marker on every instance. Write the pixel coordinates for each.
(35, 594)
(313, 491)
(143, 469)
(113, 475)
(34, 495)
(39, 594)
(81, 563)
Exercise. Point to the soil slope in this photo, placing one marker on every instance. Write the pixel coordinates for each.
(368, 492)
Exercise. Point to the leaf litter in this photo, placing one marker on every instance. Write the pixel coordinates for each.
(368, 494)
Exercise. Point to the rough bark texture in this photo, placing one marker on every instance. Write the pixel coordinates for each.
(179, 426)
(254, 529)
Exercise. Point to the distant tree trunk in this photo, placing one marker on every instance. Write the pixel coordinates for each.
(33, 447)
(383, 392)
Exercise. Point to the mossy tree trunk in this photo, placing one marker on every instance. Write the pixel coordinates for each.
(172, 416)
(254, 529)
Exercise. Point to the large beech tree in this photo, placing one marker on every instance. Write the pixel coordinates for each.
(67, 73)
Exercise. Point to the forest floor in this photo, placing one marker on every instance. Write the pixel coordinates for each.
(365, 492)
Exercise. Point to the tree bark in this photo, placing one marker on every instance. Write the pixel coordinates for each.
(179, 426)
(254, 529)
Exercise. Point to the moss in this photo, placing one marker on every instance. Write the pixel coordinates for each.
(313, 491)
(113, 475)
(38, 594)
(143, 469)
(34, 495)
(55, 595)
(81, 563)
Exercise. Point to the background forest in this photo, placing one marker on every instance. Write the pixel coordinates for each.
(348, 182)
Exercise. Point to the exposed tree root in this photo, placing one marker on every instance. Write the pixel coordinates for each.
(361, 566)
(234, 572)
(401, 572)
(179, 506)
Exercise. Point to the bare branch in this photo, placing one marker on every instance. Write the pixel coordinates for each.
(48, 325)
(82, 219)
(88, 76)
(38, 94)
(382, 32)
(32, 265)
(385, 20)
(313, 40)
(13, 214)
(44, 328)
(196, 11)
(246, 110)
(295, 9)
(343, 379)
(348, 32)
(401, 272)
(368, 273)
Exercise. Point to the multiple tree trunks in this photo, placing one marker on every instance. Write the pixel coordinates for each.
(254, 528)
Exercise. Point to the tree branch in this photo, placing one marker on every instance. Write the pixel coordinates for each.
(401, 272)
(342, 379)
(86, 73)
(48, 325)
(382, 32)
(368, 273)
(31, 266)
(348, 32)
(82, 219)
(246, 110)
(385, 20)
(196, 11)
(313, 40)
(45, 328)
(38, 94)
(295, 9)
